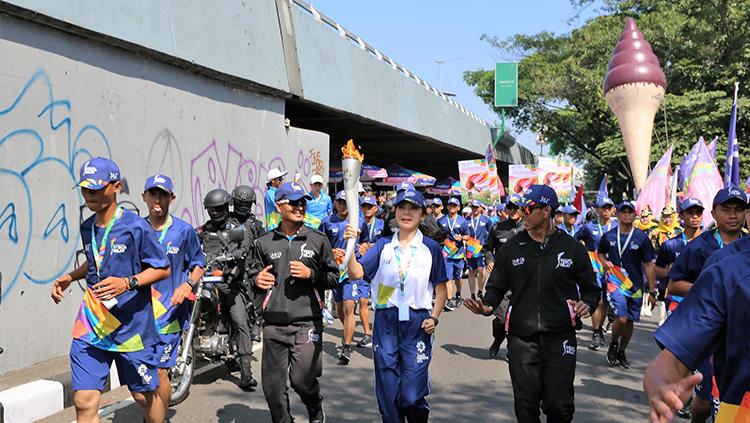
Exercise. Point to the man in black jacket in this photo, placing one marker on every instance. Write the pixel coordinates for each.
(545, 268)
(294, 264)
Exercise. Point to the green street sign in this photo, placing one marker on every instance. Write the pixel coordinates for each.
(506, 84)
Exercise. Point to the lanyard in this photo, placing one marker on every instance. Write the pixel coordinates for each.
(718, 238)
(572, 230)
(451, 225)
(371, 226)
(403, 270)
(164, 230)
(621, 249)
(475, 224)
(684, 238)
(609, 226)
(99, 251)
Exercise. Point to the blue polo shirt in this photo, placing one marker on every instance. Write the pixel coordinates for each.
(637, 252)
(455, 227)
(424, 264)
(333, 227)
(273, 217)
(318, 209)
(374, 230)
(739, 246)
(712, 320)
(572, 232)
(183, 249)
(131, 247)
(689, 264)
(591, 233)
(479, 228)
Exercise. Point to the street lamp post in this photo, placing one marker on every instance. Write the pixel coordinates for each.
(541, 140)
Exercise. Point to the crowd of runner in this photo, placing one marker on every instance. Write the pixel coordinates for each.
(536, 266)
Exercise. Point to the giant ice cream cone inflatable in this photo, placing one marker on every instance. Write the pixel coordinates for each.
(634, 88)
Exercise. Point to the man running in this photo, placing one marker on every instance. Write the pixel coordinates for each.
(626, 253)
(479, 229)
(457, 229)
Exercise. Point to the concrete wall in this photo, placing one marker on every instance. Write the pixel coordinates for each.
(64, 99)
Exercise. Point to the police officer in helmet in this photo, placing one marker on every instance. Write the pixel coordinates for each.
(216, 240)
(243, 200)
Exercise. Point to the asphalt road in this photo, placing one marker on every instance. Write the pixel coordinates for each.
(467, 386)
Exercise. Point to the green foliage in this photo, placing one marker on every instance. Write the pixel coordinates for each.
(703, 47)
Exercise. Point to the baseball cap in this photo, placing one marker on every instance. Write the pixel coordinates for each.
(466, 210)
(570, 209)
(606, 201)
(540, 195)
(291, 191)
(475, 203)
(501, 207)
(369, 199)
(728, 194)
(404, 186)
(513, 200)
(316, 179)
(96, 173)
(491, 208)
(163, 182)
(341, 195)
(411, 195)
(360, 187)
(437, 201)
(690, 202)
(454, 200)
(275, 173)
(560, 209)
(626, 204)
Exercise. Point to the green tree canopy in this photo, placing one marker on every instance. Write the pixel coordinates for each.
(703, 47)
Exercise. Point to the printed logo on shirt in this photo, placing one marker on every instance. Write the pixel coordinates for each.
(421, 349)
(312, 336)
(568, 349)
(635, 246)
(118, 248)
(518, 261)
(334, 230)
(612, 243)
(172, 249)
(677, 254)
(563, 262)
(143, 373)
(166, 352)
(275, 255)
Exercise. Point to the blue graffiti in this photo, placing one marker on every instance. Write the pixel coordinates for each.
(29, 150)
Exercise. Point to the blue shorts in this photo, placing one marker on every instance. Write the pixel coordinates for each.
(623, 306)
(475, 262)
(167, 348)
(454, 268)
(90, 368)
(349, 290)
(704, 388)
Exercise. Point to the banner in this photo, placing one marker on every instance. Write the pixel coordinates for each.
(655, 193)
(477, 183)
(704, 181)
(556, 174)
(521, 177)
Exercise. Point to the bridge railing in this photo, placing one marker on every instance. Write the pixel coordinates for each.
(356, 40)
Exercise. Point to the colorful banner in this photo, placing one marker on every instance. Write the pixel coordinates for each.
(704, 181)
(477, 183)
(655, 193)
(618, 280)
(496, 184)
(556, 174)
(521, 177)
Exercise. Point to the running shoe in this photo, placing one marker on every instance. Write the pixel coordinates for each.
(596, 341)
(449, 306)
(480, 295)
(612, 354)
(473, 297)
(622, 360)
(365, 342)
(459, 302)
(316, 415)
(495, 348)
(345, 356)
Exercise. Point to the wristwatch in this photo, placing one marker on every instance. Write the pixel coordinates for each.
(132, 284)
(434, 319)
(193, 284)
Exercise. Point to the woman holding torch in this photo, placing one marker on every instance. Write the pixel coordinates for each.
(404, 271)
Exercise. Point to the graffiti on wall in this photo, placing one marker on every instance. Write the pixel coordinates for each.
(41, 146)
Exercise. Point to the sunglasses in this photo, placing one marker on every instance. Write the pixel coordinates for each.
(295, 203)
(527, 210)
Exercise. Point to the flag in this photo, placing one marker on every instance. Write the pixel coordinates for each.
(602, 194)
(492, 169)
(473, 247)
(732, 168)
(672, 202)
(687, 164)
(450, 248)
(655, 192)
(596, 264)
(712, 147)
(580, 203)
(704, 181)
(618, 280)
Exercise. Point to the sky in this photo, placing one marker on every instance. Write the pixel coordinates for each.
(417, 33)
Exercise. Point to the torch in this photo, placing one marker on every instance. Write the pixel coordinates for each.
(351, 164)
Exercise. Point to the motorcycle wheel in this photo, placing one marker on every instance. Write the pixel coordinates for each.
(181, 381)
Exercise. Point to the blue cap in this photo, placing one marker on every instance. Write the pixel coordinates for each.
(570, 209)
(96, 173)
(475, 203)
(690, 202)
(501, 207)
(627, 204)
(540, 195)
(291, 191)
(413, 196)
(728, 194)
(490, 208)
(404, 186)
(606, 201)
(455, 201)
(514, 199)
(369, 199)
(163, 182)
(437, 201)
(559, 209)
(341, 195)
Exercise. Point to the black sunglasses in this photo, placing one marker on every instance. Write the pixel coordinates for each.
(527, 210)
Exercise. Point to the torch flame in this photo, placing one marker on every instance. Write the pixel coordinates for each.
(351, 152)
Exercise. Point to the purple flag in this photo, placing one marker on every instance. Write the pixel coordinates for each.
(712, 147)
(686, 167)
(732, 167)
(602, 194)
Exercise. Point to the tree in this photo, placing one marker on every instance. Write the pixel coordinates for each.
(703, 47)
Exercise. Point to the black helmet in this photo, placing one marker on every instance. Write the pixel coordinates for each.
(216, 198)
(243, 198)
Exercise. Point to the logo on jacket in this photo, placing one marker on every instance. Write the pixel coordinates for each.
(518, 261)
(568, 349)
(421, 349)
(312, 336)
(275, 255)
(563, 262)
(305, 253)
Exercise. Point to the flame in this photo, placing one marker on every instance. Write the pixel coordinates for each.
(351, 152)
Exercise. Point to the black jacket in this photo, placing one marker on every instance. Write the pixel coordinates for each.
(542, 277)
(294, 300)
(500, 233)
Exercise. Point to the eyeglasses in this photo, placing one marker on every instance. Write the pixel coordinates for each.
(527, 210)
(295, 203)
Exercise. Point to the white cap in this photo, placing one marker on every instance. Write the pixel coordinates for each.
(275, 173)
(360, 187)
(316, 179)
